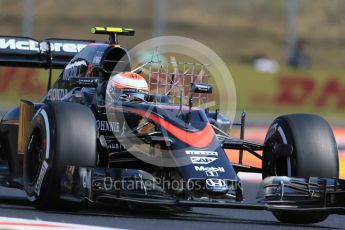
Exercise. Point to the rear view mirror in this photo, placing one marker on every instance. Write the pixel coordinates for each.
(201, 88)
(84, 81)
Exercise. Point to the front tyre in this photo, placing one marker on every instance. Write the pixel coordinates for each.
(60, 134)
(315, 154)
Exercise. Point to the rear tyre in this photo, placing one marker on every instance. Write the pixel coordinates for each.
(315, 154)
(60, 134)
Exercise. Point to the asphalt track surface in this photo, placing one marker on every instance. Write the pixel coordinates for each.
(13, 204)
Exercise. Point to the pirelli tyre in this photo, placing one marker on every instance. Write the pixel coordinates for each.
(61, 134)
(315, 154)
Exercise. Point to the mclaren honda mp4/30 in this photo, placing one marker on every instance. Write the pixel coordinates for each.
(76, 146)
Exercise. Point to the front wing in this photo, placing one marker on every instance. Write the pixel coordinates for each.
(275, 194)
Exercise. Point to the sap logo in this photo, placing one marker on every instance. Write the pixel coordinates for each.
(203, 160)
(14, 44)
(209, 169)
(202, 153)
(56, 94)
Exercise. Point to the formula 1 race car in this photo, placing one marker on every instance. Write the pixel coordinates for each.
(100, 136)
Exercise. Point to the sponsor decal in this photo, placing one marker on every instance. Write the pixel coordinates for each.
(306, 90)
(211, 183)
(85, 177)
(272, 130)
(56, 94)
(41, 177)
(115, 146)
(14, 44)
(97, 58)
(216, 184)
(75, 69)
(112, 126)
(203, 160)
(32, 45)
(209, 169)
(67, 47)
(123, 133)
(211, 173)
(201, 153)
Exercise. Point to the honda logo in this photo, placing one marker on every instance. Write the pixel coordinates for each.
(212, 183)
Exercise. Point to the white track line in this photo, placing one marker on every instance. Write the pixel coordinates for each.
(16, 223)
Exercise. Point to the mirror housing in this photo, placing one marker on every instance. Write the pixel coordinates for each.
(91, 82)
(201, 88)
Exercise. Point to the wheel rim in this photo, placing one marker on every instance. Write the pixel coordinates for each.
(34, 157)
(288, 161)
(282, 166)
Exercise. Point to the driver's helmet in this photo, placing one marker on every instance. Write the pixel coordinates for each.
(128, 86)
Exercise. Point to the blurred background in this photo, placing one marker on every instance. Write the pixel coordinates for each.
(285, 55)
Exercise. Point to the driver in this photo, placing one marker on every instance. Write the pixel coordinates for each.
(128, 86)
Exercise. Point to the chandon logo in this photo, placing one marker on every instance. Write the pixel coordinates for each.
(33, 45)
